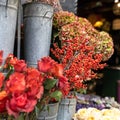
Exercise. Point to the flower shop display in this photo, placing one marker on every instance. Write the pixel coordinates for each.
(25, 89)
(79, 47)
(45, 84)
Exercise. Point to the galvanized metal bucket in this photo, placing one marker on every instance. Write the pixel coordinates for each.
(49, 112)
(8, 20)
(37, 31)
(67, 109)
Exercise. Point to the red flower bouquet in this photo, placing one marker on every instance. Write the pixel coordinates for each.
(55, 84)
(20, 87)
(23, 88)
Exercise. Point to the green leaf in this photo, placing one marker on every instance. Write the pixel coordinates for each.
(55, 34)
(82, 91)
(37, 110)
(21, 117)
(49, 83)
(57, 95)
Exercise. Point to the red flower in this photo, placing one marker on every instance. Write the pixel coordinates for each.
(3, 99)
(45, 64)
(20, 66)
(10, 60)
(64, 85)
(57, 70)
(1, 79)
(20, 103)
(16, 83)
(1, 57)
(34, 82)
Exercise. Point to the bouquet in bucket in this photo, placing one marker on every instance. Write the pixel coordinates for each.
(22, 88)
(56, 85)
(80, 48)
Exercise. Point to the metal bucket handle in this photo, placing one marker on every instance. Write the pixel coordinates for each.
(6, 3)
(45, 15)
(63, 1)
(6, 8)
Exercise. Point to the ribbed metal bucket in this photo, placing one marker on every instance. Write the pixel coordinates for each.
(37, 31)
(67, 108)
(49, 112)
(8, 18)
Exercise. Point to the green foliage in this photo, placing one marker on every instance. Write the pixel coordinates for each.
(50, 83)
(57, 95)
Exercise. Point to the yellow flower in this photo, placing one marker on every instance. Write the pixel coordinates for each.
(107, 117)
